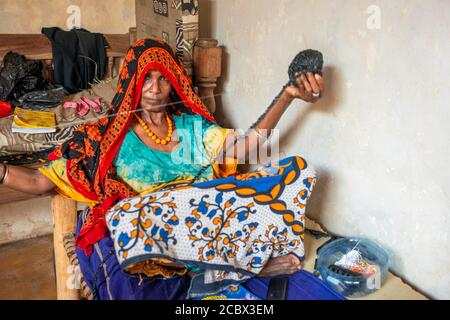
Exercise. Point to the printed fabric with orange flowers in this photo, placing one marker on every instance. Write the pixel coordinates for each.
(229, 228)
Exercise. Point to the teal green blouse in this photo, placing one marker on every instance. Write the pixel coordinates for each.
(143, 168)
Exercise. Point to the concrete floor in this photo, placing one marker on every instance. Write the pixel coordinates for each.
(26, 270)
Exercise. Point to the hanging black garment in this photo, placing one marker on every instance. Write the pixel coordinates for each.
(79, 57)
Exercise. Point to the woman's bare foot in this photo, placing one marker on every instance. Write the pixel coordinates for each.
(287, 264)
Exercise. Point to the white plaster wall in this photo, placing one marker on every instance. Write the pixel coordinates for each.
(29, 16)
(25, 219)
(379, 138)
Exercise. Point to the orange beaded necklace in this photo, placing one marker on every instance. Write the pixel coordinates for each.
(152, 135)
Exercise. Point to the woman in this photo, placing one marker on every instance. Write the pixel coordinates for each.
(111, 160)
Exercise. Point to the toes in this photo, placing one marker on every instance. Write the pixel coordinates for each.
(287, 264)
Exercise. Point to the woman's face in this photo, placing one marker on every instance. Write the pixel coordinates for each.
(155, 91)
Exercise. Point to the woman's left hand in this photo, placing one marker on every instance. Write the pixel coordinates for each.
(309, 88)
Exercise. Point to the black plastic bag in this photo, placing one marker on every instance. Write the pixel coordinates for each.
(19, 76)
(41, 100)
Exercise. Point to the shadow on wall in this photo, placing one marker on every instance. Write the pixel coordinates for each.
(314, 208)
(329, 102)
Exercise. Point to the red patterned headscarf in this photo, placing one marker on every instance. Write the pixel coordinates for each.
(91, 151)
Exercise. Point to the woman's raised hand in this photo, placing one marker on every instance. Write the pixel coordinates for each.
(309, 87)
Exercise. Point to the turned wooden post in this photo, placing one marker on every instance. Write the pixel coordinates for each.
(64, 213)
(47, 70)
(207, 68)
(133, 34)
(110, 69)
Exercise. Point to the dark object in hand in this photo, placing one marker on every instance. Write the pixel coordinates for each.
(306, 61)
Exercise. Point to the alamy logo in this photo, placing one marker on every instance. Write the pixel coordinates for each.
(74, 19)
(374, 19)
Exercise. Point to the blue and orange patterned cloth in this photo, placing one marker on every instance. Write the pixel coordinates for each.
(228, 227)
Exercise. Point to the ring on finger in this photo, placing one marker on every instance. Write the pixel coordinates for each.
(316, 94)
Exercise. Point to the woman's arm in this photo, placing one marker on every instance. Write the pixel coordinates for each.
(307, 88)
(25, 180)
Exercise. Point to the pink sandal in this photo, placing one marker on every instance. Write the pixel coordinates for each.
(82, 107)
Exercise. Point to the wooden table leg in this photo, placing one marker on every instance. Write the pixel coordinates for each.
(64, 213)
